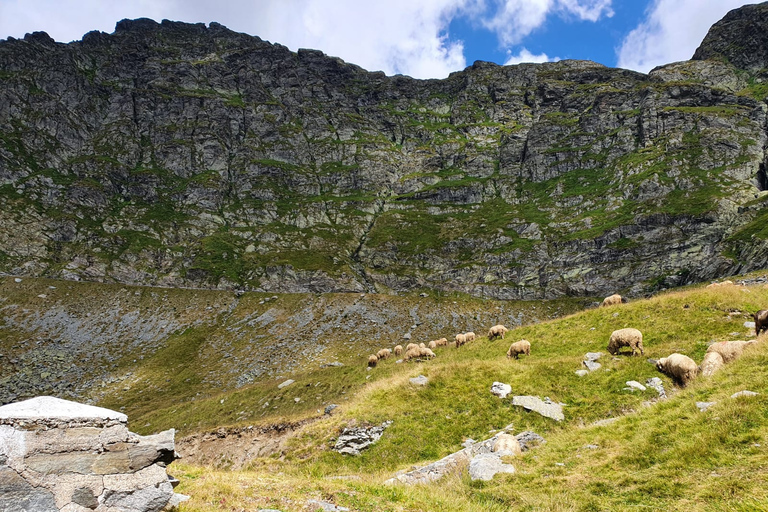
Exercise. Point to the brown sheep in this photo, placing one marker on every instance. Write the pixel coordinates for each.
(372, 360)
(761, 321)
(460, 340)
(712, 362)
(497, 331)
(470, 336)
(729, 350)
(682, 369)
(398, 350)
(627, 337)
(613, 300)
(519, 347)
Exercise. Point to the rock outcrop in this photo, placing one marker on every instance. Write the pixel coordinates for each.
(57, 455)
(191, 155)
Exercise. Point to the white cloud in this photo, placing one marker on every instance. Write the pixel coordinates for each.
(527, 56)
(515, 19)
(671, 32)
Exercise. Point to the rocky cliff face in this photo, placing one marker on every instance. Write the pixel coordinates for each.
(186, 155)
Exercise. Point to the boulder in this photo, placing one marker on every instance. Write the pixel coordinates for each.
(61, 455)
(592, 365)
(633, 384)
(485, 466)
(500, 389)
(546, 408)
(353, 440)
(419, 381)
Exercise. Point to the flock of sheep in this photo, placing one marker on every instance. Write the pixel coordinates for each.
(680, 368)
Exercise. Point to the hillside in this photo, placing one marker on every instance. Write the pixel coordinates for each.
(663, 454)
(174, 154)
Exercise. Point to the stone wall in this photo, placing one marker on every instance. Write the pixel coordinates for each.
(57, 455)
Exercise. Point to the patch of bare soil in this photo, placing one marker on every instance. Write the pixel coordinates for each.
(234, 448)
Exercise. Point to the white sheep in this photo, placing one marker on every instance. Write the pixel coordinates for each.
(432, 344)
(372, 360)
(729, 350)
(470, 336)
(712, 362)
(497, 331)
(682, 369)
(519, 347)
(627, 337)
(612, 300)
(383, 353)
(398, 350)
(460, 340)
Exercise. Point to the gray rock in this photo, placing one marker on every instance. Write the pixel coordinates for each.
(749, 325)
(469, 442)
(592, 356)
(591, 365)
(633, 384)
(703, 406)
(534, 403)
(407, 336)
(591, 447)
(655, 383)
(744, 393)
(419, 381)
(330, 408)
(334, 364)
(485, 466)
(324, 506)
(353, 440)
(500, 389)
(285, 384)
(529, 439)
(581, 373)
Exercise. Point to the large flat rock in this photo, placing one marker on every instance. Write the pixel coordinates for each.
(545, 408)
(48, 408)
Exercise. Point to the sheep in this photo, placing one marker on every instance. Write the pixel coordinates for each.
(432, 344)
(425, 352)
(627, 337)
(418, 352)
(460, 340)
(682, 369)
(442, 342)
(519, 347)
(372, 360)
(761, 321)
(470, 336)
(507, 444)
(383, 353)
(729, 350)
(422, 345)
(612, 300)
(712, 362)
(497, 331)
(410, 346)
(717, 285)
(398, 350)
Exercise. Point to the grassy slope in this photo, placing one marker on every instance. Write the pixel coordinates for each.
(664, 456)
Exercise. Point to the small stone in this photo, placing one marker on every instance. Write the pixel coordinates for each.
(17, 280)
(500, 389)
(655, 383)
(469, 442)
(633, 384)
(419, 381)
(423, 295)
(591, 447)
(615, 315)
(591, 365)
(582, 373)
(703, 406)
(559, 464)
(407, 336)
(42, 296)
(592, 356)
(325, 506)
(330, 408)
(297, 399)
(743, 393)
(749, 325)
(286, 384)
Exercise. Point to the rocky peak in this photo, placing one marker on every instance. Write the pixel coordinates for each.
(740, 38)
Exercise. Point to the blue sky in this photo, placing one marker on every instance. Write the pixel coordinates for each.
(421, 38)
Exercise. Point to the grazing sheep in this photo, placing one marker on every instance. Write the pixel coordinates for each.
(507, 444)
(460, 340)
(410, 346)
(432, 344)
(729, 350)
(712, 362)
(470, 336)
(425, 352)
(612, 300)
(442, 342)
(398, 350)
(761, 321)
(383, 353)
(519, 347)
(497, 331)
(627, 337)
(372, 360)
(418, 352)
(717, 285)
(422, 345)
(682, 369)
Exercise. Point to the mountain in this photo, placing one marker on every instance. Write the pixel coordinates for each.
(178, 154)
